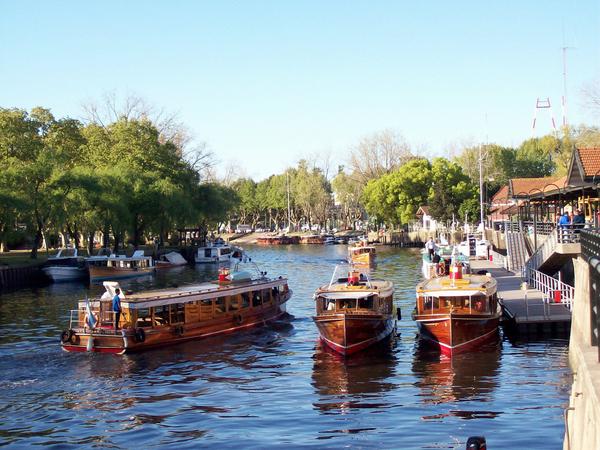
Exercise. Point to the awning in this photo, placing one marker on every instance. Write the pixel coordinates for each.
(345, 295)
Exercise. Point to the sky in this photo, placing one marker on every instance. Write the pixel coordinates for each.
(266, 83)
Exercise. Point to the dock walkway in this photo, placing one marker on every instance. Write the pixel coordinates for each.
(529, 311)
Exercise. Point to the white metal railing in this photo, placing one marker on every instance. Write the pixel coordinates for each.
(553, 290)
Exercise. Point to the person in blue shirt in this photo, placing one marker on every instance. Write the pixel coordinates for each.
(116, 307)
(564, 220)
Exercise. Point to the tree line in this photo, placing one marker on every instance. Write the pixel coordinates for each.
(124, 179)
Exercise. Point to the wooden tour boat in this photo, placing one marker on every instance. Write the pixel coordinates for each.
(457, 313)
(354, 312)
(362, 253)
(278, 240)
(311, 239)
(119, 266)
(440, 264)
(162, 317)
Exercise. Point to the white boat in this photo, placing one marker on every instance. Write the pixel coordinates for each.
(217, 252)
(329, 240)
(171, 259)
(66, 265)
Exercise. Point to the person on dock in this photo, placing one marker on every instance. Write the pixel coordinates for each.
(116, 307)
(430, 246)
(564, 220)
(578, 220)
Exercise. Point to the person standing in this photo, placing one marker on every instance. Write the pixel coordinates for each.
(430, 246)
(116, 307)
(578, 220)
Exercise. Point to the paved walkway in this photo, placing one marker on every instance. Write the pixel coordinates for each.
(526, 306)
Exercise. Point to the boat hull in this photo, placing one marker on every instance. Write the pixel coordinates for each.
(107, 340)
(455, 334)
(349, 333)
(98, 273)
(65, 273)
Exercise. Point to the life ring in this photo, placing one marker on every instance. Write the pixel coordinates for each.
(441, 269)
(66, 336)
(140, 335)
(238, 319)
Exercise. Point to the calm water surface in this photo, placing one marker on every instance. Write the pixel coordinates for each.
(273, 386)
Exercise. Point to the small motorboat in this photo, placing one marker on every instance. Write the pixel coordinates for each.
(66, 265)
(171, 259)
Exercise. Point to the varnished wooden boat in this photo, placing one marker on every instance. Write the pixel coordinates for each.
(278, 240)
(354, 312)
(362, 254)
(458, 312)
(163, 317)
(311, 239)
(119, 266)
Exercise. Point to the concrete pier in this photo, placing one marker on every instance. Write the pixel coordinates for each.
(526, 309)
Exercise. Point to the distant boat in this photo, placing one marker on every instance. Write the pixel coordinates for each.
(457, 313)
(119, 266)
(66, 265)
(362, 254)
(237, 301)
(171, 259)
(281, 239)
(217, 252)
(329, 240)
(354, 312)
(311, 239)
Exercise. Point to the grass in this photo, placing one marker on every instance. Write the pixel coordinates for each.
(21, 258)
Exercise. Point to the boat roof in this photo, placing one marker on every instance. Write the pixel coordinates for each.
(469, 285)
(188, 293)
(341, 289)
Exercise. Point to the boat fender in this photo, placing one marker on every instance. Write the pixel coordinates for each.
(140, 335)
(399, 313)
(66, 336)
(238, 319)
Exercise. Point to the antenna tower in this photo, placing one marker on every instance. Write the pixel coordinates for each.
(543, 104)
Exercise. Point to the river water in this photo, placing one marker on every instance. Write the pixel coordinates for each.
(273, 386)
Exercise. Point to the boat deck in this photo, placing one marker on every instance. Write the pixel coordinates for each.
(528, 310)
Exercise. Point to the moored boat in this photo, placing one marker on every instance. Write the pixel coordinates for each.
(163, 317)
(457, 313)
(311, 239)
(439, 265)
(66, 265)
(171, 259)
(362, 254)
(354, 312)
(216, 252)
(278, 240)
(119, 266)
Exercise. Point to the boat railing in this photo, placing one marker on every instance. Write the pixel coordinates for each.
(78, 319)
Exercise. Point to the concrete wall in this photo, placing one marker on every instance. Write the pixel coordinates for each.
(582, 430)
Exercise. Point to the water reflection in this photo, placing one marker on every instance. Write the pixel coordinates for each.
(342, 384)
(464, 377)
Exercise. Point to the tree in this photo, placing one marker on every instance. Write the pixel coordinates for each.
(378, 154)
(347, 192)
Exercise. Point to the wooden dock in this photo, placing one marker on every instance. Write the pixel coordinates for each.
(526, 311)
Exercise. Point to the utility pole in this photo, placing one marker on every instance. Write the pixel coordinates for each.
(481, 191)
(287, 178)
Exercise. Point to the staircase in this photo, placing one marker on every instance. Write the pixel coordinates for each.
(516, 250)
(560, 246)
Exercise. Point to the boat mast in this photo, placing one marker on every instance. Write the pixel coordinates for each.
(287, 178)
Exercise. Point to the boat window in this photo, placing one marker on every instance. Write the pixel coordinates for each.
(266, 295)
(256, 299)
(348, 303)
(366, 303)
(245, 300)
(225, 251)
(275, 292)
(205, 308)
(161, 315)
(207, 252)
(220, 305)
(144, 318)
(234, 303)
(431, 303)
(178, 313)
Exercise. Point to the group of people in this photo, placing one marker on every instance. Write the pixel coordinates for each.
(572, 220)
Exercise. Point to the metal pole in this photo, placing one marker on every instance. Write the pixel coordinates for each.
(481, 192)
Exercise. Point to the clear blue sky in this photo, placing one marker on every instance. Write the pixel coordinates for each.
(266, 82)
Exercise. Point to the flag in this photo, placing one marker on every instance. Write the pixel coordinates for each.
(91, 320)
